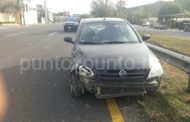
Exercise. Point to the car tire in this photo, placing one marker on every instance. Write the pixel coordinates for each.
(76, 92)
(76, 88)
(154, 90)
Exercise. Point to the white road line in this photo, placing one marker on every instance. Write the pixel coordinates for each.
(14, 34)
(52, 33)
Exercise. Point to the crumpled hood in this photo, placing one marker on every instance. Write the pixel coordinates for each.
(113, 56)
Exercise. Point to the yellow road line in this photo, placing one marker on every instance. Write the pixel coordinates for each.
(114, 110)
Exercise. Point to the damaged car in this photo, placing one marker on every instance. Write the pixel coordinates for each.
(110, 59)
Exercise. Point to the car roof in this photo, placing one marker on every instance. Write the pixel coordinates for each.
(89, 20)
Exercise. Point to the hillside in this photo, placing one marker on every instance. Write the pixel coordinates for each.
(150, 10)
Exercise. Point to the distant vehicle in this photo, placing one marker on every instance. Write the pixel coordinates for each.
(187, 27)
(180, 25)
(159, 26)
(71, 24)
(146, 24)
(111, 60)
(183, 24)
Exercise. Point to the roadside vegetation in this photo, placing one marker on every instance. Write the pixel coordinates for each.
(12, 7)
(159, 9)
(177, 44)
(172, 102)
(106, 8)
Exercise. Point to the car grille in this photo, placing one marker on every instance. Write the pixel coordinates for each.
(112, 75)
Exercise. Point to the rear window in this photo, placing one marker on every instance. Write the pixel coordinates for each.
(72, 19)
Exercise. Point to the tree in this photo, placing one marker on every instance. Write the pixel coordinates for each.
(121, 10)
(169, 8)
(137, 15)
(85, 16)
(14, 7)
(102, 8)
(11, 6)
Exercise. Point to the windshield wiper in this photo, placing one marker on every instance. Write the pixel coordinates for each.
(106, 42)
(114, 42)
(89, 43)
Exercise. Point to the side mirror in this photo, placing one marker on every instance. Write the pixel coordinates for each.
(69, 40)
(146, 37)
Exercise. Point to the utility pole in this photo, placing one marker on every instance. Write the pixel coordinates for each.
(23, 14)
(46, 11)
(21, 9)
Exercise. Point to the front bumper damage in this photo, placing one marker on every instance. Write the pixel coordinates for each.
(105, 89)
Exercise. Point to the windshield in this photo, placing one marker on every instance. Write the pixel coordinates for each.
(72, 19)
(107, 32)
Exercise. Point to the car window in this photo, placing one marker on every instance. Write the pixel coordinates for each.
(107, 32)
(72, 19)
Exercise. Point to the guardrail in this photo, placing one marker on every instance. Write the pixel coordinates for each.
(180, 61)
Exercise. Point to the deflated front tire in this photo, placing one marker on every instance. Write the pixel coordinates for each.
(76, 87)
(155, 89)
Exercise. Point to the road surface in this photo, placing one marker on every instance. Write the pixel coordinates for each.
(42, 95)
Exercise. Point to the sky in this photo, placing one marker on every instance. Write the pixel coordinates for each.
(83, 6)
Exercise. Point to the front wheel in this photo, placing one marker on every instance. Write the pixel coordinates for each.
(76, 87)
(155, 89)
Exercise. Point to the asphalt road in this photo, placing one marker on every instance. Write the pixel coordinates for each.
(171, 32)
(43, 95)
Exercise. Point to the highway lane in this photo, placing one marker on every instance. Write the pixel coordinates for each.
(42, 95)
(174, 32)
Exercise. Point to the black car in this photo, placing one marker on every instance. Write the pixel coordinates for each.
(71, 24)
(187, 27)
(110, 59)
(159, 26)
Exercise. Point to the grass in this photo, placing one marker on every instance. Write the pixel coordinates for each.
(172, 102)
(177, 44)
